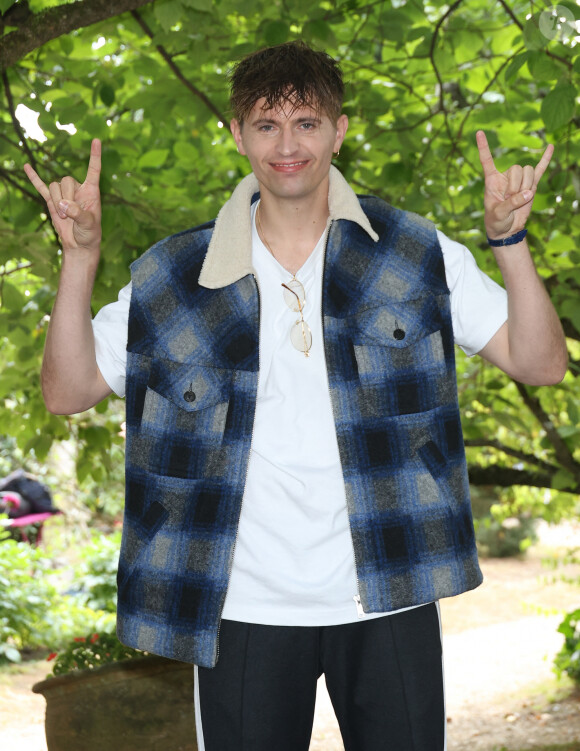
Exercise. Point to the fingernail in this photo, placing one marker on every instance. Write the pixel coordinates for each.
(527, 194)
(62, 208)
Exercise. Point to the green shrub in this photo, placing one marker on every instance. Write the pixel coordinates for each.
(504, 538)
(25, 596)
(95, 581)
(568, 658)
(33, 613)
(87, 653)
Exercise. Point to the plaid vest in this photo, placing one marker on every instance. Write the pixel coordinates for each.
(192, 373)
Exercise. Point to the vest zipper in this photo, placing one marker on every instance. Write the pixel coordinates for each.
(357, 599)
(359, 608)
(231, 561)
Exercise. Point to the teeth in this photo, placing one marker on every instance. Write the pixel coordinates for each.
(294, 164)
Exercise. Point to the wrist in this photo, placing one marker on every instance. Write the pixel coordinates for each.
(513, 239)
(80, 265)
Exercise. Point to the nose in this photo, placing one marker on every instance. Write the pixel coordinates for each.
(287, 142)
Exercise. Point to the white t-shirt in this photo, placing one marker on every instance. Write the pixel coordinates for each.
(294, 559)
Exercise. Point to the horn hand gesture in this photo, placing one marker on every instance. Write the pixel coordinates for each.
(508, 195)
(75, 208)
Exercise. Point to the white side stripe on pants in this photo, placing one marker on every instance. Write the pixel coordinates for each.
(198, 727)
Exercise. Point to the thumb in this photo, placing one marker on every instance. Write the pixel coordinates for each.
(512, 203)
(520, 199)
(71, 210)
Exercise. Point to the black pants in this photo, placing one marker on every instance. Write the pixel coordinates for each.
(384, 678)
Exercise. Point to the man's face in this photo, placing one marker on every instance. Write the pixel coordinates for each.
(290, 150)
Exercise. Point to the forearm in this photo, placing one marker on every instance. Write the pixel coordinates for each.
(71, 380)
(535, 348)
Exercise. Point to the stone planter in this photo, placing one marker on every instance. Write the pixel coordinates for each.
(144, 704)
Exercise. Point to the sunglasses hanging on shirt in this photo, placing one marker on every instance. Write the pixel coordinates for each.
(295, 298)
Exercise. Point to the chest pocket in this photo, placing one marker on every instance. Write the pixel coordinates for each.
(182, 397)
(400, 357)
(398, 325)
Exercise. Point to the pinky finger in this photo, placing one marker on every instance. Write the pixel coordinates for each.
(543, 163)
(37, 182)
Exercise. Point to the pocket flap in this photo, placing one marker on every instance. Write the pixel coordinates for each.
(190, 386)
(397, 324)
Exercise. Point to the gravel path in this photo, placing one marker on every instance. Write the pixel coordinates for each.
(487, 670)
(498, 669)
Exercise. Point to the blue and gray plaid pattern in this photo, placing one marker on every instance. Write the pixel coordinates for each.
(192, 374)
(390, 357)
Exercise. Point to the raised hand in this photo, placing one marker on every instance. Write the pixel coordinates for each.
(75, 208)
(508, 195)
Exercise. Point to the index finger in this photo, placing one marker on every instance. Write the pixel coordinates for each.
(542, 165)
(37, 182)
(94, 168)
(485, 156)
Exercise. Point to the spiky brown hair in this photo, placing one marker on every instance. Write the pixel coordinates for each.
(292, 72)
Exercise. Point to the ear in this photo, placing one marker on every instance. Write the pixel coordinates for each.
(341, 128)
(236, 130)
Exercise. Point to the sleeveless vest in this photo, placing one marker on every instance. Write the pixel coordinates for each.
(192, 373)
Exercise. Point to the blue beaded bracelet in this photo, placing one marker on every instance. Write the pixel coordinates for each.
(511, 240)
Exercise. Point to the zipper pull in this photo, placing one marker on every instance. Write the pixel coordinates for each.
(359, 608)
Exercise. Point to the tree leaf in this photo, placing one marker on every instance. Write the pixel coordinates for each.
(107, 94)
(168, 13)
(276, 32)
(558, 106)
(201, 5)
(67, 44)
(153, 158)
(544, 68)
(515, 65)
(533, 37)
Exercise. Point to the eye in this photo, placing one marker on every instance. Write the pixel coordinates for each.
(308, 126)
(266, 128)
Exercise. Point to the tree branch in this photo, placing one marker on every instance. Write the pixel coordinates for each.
(521, 455)
(562, 452)
(511, 14)
(5, 175)
(40, 28)
(438, 26)
(178, 73)
(15, 123)
(505, 477)
(15, 270)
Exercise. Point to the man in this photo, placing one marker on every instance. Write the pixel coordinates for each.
(297, 496)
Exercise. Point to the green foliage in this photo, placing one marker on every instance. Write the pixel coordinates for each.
(568, 658)
(33, 612)
(422, 77)
(571, 557)
(93, 651)
(25, 587)
(96, 576)
(503, 539)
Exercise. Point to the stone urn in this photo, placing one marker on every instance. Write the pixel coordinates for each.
(144, 704)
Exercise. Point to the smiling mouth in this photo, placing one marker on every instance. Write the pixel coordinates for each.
(289, 165)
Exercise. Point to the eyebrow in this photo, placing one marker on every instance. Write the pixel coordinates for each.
(273, 121)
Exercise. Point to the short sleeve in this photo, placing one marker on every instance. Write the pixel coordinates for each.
(110, 329)
(478, 304)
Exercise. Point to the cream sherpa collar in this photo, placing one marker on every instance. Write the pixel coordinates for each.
(229, 255)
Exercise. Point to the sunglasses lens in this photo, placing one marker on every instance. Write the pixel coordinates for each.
(301, 336)
(294, 295)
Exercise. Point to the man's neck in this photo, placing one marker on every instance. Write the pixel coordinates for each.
(291, 230)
